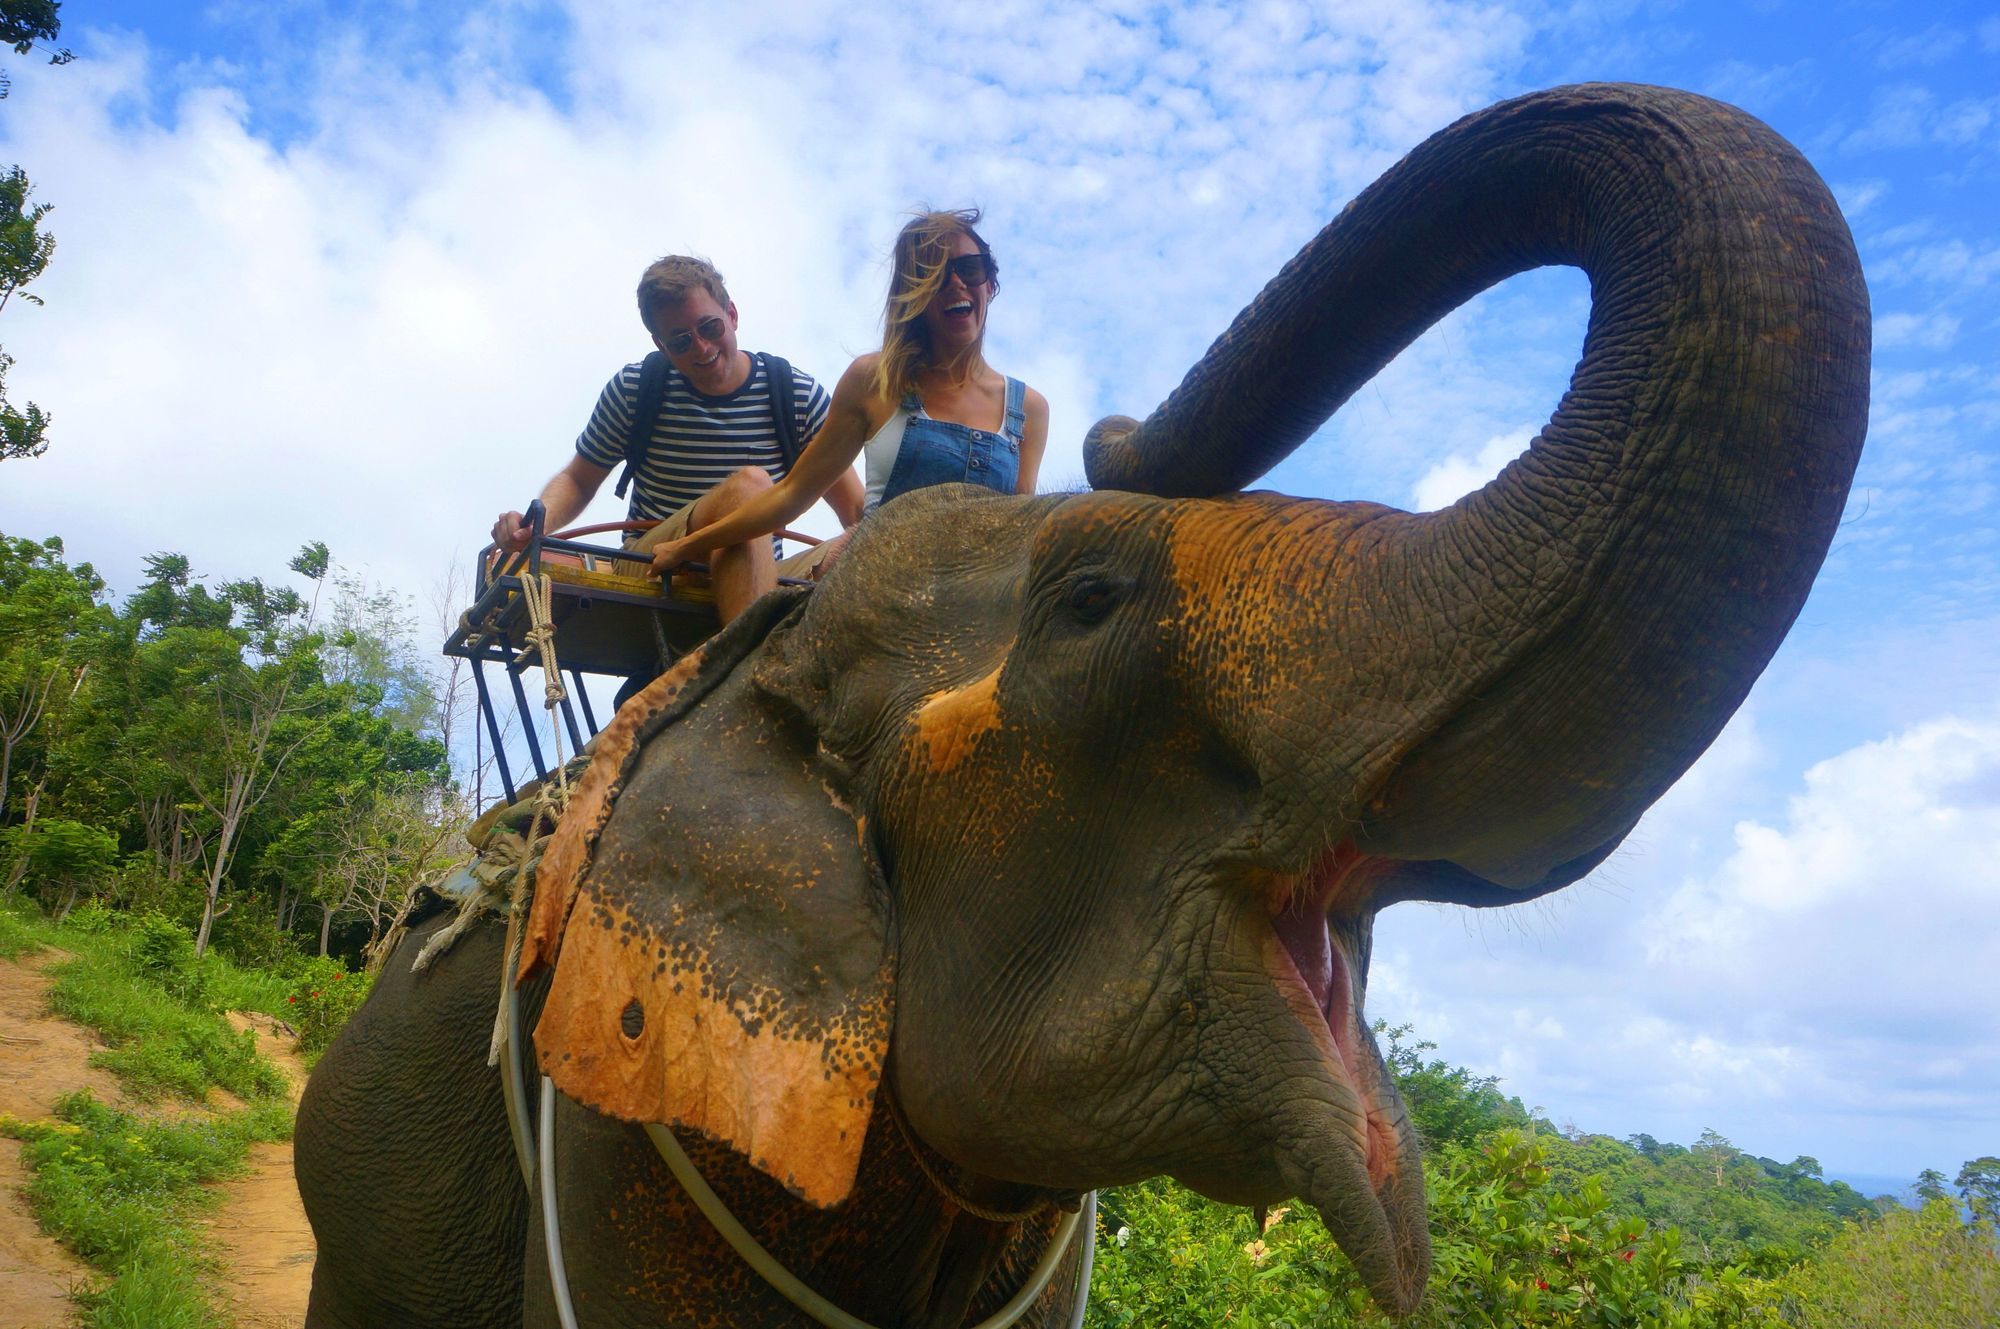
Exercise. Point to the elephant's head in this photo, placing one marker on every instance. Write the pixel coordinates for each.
(1075, 812)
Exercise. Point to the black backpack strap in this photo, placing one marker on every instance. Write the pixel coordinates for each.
(645, 413)
(784, 411)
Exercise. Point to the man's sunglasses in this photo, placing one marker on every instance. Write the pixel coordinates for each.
(709, 330)
(972, 269)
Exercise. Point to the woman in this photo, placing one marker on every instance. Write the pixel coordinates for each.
(926, 409)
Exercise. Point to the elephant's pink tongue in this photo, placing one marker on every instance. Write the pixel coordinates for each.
(1302, 930)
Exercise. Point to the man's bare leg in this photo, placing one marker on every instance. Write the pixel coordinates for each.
(739, 573)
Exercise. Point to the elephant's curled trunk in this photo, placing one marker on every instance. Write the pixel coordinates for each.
(1575, 634)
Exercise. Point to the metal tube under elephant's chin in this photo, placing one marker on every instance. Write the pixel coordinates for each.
(1507, 684)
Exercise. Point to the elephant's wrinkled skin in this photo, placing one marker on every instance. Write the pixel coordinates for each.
(1063, 821)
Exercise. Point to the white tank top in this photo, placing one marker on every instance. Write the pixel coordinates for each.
(880, 452)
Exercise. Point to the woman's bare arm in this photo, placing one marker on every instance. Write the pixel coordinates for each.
(830, 454)
(1034, 438)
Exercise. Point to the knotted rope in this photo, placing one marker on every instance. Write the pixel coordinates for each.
(550, 799)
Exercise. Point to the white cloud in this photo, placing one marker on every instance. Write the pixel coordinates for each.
(1757, 88)
(1449, 480)
(1933, 331)
(1904, 828)
(1825, 968)
(1857, 196)
(1907, 116)
(1934, 44)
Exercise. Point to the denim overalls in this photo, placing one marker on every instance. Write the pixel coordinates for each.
(938, 452)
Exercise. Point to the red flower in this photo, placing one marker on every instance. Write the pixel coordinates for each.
(1542, 1285)
(1628, 1257)
(291, 999)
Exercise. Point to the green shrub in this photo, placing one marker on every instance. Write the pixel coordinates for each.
(1508, 1249)
(1914, 1269)
(322, 998)
(92, 918)
(163, 951)
(21, 930)
(63, 857)
(248, 935)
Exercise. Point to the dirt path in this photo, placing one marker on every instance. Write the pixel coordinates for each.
(41, 1059)
(259, 1230)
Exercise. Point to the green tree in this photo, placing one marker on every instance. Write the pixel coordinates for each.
(378, 845)
(219, 709)
(1930, 1186)
(60, 858)
(50, 622)
(25, 24)
(1715, 1154)
(370, 643)
(1448, 1104)
(1652, 1150)
(1979, 1186)
(24, 247)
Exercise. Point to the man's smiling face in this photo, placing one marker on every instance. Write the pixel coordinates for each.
(699, 336)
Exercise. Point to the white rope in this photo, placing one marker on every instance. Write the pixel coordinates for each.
(752, 1251)
(550, 800)
(551, 1229)
(541, 635)
(748, 1248)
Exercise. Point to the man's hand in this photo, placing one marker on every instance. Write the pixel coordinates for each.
(511, 531)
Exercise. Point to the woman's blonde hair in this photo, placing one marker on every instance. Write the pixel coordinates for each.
(922, 248)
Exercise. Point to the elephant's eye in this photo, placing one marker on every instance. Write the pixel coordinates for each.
(1092, 596)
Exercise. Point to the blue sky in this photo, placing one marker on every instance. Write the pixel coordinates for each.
(356, 273)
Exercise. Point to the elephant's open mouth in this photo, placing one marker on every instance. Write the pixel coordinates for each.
(1311, 918)
(1319, 923)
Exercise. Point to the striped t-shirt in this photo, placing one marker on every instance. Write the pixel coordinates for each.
(698, 441)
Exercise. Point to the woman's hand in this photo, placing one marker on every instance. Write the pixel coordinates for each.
(668, 556)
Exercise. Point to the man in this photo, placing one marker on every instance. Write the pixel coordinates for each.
(712, 447)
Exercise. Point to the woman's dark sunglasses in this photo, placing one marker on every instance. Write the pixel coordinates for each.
(972, 269)
(709, 330)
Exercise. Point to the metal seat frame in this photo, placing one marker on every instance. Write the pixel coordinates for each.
(599, 630)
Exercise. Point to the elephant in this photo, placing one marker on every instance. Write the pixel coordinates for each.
(1038, 847)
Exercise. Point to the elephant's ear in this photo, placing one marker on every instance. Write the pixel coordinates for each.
(718, 929)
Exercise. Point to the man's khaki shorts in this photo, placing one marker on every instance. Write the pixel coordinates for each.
(802, 566)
